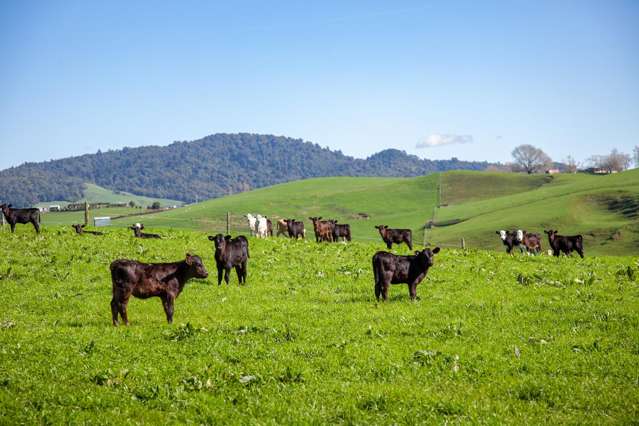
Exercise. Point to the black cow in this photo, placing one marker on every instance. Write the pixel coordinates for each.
(397, 236)
(14, 216)
(565, 244)
(510, 240)
(295, 228)
(389, 269)
(144, 280)
(79, 229)
(341, 230)
(137, 231)
(231, 253)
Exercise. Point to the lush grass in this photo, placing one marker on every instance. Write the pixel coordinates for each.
(494, 339)
(97, 194)
(570, 203)
(462, 186)
(394, 201)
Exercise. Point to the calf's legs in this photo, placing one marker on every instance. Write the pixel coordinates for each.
(168, 302)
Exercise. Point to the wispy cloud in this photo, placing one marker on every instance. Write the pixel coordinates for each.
(439, 140)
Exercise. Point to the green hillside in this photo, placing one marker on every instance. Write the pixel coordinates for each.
(602, 208)
(404, 202)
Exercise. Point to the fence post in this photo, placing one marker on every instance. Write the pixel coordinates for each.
(228, 223)
(86, 213)
(463, 243)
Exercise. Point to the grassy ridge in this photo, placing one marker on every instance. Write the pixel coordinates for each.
(569, 203)
(405, 202)
(605, 209)
(494, 339)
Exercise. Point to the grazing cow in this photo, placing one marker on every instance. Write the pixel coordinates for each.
(397, 236)
(529, 242)
(137, 231)
(323, 229)
(341, 230)
(269, 227)
(144, 280)
(510, 240)
(295, 228)
(231, 253)
(252, 223)
(14, 216)
(282, 227)
(389, 269)
(565, 244)
(79, 229)
(261, 227)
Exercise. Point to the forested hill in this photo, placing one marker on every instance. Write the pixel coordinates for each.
(216, 165)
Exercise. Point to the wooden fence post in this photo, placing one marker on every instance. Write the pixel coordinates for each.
(228, 223)
(463, 243)
(86, 213)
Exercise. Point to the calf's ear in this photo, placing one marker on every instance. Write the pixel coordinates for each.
(228, 237)
(189, 259)
(211, 238)
(436, 250)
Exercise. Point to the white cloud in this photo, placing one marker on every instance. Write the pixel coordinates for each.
(439, 140)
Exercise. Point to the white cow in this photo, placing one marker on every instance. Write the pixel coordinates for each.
(252, 222)
(261, 227)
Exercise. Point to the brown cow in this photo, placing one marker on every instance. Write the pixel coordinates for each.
(144, 280)
(323, 229)
(282, 228)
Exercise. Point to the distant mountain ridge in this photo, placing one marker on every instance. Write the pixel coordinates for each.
(210, 167)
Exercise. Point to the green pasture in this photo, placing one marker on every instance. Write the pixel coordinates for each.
(494, 339)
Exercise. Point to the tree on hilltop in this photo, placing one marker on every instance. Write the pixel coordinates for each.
(530, 159)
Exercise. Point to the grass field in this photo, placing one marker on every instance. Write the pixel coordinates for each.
(494, 339)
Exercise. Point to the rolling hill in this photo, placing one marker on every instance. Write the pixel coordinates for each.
(211, 167)
(605, 209)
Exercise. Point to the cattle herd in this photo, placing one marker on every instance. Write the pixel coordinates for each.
(530, 243)
(167, 280)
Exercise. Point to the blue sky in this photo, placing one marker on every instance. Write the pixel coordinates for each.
(80, 76)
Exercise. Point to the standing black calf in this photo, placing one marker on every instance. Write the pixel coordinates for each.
(389, 269)
(144, 280)
(395, 236)
(14, 216)
(565, 244)
(230, 253)
(341, 230)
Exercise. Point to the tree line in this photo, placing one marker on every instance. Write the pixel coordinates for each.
(214, 166)
(530, 159)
